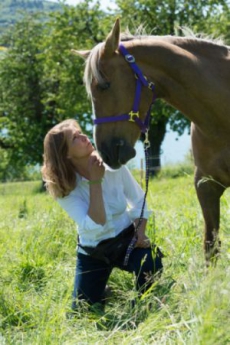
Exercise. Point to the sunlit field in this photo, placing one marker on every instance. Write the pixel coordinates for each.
(186, 305)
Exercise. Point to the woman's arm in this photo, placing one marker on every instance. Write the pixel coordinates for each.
(96, 209)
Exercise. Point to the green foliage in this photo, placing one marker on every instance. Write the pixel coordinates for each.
(21, 91)
(218, 26)
(185, 168)
(13, 11)
(74, 28)
(41, 81)
(187, 305)
(15, 171)
(162, 18)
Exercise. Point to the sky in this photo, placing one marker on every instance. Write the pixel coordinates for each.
(174, 148)
(104, 3)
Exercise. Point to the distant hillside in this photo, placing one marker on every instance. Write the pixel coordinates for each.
(12, 10)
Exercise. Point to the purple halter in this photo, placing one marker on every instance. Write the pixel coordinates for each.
(133, 115)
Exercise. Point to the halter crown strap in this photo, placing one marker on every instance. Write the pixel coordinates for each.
(131, 60)
(133, 115)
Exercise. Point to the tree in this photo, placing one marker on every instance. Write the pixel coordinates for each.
(41, 81)
(166, 18)
(78, 27)
(21, 107)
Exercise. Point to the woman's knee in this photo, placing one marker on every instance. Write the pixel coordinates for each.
(90, 280)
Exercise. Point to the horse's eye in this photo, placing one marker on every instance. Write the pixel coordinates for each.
(104, 86)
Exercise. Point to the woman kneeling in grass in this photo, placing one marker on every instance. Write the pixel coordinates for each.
(106, 205)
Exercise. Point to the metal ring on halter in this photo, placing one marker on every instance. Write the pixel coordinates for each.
(129, 58)
(133, 115)
(151, 85)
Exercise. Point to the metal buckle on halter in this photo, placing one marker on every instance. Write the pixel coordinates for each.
(129, 58)
(133, 115)
(146, 141)
(151, 85)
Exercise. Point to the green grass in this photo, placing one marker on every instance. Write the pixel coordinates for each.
(37, 261)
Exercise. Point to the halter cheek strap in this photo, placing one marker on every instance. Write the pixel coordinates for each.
(133, 115)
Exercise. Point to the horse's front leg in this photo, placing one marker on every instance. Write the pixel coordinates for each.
(209, 193)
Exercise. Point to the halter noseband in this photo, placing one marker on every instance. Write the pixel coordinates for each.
(133, 115)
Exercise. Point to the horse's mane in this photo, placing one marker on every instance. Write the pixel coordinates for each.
(92, 69)
(181, 32)
(189, 41)
(188, 33)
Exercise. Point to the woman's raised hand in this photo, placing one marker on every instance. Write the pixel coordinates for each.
(96, 167)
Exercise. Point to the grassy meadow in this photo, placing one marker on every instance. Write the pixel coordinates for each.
(187, 305)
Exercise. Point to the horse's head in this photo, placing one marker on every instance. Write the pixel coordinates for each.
(111, 83)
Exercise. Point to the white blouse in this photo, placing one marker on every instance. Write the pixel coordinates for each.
(123, 200)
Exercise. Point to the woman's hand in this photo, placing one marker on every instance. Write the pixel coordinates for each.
(143, 241)
(96, 167)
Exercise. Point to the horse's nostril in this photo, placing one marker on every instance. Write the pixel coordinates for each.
(116, 152)
(126, 153)
(105, 157)
(121, 142)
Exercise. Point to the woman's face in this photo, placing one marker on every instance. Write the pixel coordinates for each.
(79, 145)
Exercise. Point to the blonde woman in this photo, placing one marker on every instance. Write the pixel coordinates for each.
(105, 204)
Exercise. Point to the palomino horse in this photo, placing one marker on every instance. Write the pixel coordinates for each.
(193, 75)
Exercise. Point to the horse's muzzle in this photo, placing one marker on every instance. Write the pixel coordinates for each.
(116, 152)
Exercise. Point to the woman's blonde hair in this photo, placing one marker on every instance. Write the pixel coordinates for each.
(58, 171)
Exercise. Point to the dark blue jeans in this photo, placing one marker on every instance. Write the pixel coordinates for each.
(92, 274)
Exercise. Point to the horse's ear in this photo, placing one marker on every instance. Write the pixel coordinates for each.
(113, 39)
(83, 53)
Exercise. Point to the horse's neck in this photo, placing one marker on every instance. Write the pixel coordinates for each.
(198, 47)
(159, 49)
(163, 61)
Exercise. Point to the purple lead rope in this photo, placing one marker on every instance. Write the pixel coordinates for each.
(134, 239)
